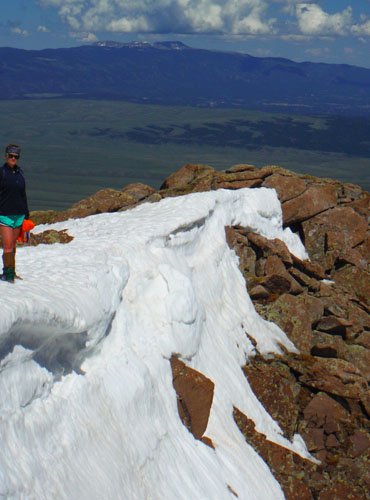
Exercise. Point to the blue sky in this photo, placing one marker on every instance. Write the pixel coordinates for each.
(336, 31)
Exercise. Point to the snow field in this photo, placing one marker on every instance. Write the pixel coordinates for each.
(87, 406)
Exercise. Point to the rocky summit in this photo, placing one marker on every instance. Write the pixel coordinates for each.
(321, 304)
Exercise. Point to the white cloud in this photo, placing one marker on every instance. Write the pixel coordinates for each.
(166, 16)
(362, 29)
(128, 25)
(19, 31)
(313, 20)
(43, 29)
(225, 17)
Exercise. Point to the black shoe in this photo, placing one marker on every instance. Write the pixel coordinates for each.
(8, 275)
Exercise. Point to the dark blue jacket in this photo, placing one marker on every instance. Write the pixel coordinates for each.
(13, 199)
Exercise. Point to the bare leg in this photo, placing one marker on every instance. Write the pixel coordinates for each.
(8, 238)
(16, 233)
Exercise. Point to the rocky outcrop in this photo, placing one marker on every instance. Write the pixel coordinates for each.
(105, 200)
(323, 306)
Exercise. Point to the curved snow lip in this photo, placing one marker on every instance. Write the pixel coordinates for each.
(90, 330)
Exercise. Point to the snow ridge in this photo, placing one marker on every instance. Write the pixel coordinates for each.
(87, 406)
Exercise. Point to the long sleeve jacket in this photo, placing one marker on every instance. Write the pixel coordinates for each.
(13, 199)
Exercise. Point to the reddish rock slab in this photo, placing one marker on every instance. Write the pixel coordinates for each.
(332, 234)
(364, 340)
(364, 248)
(327, 346)
(359, 443)
(270, 247)
(351, 191)
(281, 402)
(259, 292)
(186, 175)
(325, 413)
(362, 204)
(313, 201)
(312, 269)
(289, 469)
(194, 397)
(306, 281)
(365, 401)
(344, 226)
(241, 167)
(138, 191)
(334, 376)
(237, 184)
(313, 306)
(335, 304)
(276, 285)
(341, 491)
(333, 325)
(355, 281)
(274, 266)
(360, 357)
(239, 175)
(344, 254)
(359, 318)
(105, 200)
(294, 315)
(240, 244)
(287, 187)
(314, 439)
(332, 442)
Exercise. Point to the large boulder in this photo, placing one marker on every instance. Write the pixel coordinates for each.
(184, 180)
(241, 178)
(295, 316)
(316, 199)
(138, 191)
(286, 186)
(333, 234)
(354, 280)
(334, 376)
(281, 403)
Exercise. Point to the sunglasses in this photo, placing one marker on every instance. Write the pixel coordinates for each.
(13, 157)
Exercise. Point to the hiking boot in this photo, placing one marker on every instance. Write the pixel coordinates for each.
(9, 267)
(8, 275)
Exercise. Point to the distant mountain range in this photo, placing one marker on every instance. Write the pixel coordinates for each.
(172, 73)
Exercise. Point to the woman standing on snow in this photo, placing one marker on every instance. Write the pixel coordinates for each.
(13, 208)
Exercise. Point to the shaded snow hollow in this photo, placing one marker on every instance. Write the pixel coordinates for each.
(87, 406)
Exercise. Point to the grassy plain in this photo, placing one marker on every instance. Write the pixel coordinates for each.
(72, 148)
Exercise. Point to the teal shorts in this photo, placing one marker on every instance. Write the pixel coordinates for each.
(13, 221)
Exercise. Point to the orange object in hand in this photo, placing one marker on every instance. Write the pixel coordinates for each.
(24, 235)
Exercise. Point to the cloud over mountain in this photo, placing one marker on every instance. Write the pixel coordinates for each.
(313, 20)
(232, 17)
(166, 16)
